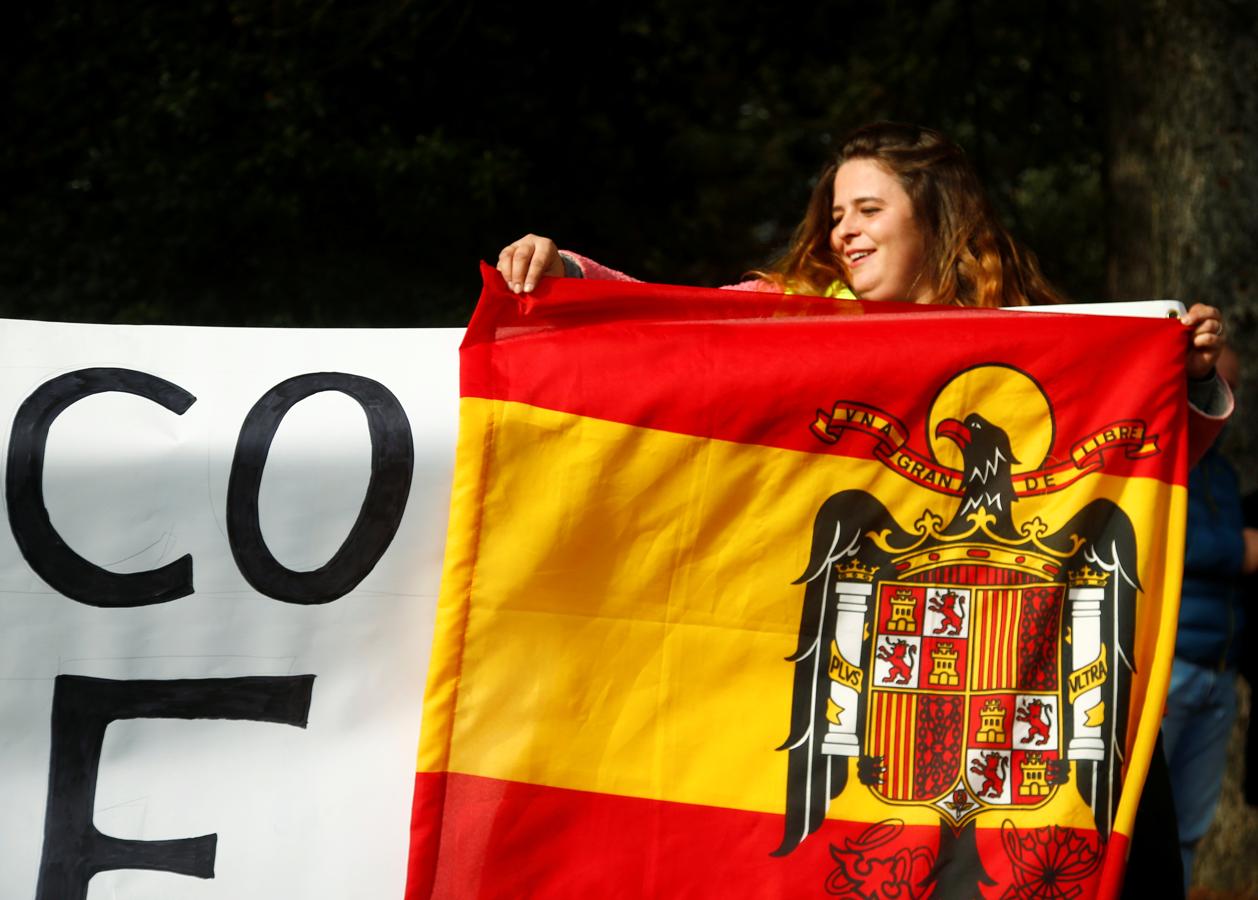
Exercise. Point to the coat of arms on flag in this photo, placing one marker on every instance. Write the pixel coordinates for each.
(975, 665)
(969, 564)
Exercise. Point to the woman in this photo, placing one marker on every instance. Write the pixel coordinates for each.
(899, 214)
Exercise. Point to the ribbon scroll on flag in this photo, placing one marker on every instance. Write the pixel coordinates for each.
(760, 596)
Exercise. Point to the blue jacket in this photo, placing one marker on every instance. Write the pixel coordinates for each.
(1211, 615)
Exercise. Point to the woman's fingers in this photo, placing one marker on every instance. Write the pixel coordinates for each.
(520, 261)
(505, 259)
(1207, 338)
(544, 262)
(513, 262)
(525, 261)
(1205, 321)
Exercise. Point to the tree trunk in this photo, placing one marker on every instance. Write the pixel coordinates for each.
(1182, 163)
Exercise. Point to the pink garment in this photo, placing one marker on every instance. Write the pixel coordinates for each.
(1204, 426)
(596, 270)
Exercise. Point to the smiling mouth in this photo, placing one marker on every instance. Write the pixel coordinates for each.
(857, 257)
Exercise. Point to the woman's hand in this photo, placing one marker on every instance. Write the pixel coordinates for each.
(1206, 341)
(528, 259)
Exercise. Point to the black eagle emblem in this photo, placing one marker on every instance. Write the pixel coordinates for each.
(896, 615)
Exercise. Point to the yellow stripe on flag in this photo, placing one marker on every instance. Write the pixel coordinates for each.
(624, 630)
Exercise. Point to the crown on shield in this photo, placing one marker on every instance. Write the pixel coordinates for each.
(855, 571)
(1087, 577)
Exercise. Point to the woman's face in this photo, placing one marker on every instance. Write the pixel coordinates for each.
(879, 243)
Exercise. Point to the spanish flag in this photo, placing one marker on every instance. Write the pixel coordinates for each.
(763, 596)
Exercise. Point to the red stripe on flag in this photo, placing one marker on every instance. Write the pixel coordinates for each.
(503, 839)
(618, 352)
(1115, 866)
(430, 798)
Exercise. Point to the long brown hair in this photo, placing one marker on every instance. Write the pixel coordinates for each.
(972, 259)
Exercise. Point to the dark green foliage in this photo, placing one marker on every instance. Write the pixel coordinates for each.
(320, 163)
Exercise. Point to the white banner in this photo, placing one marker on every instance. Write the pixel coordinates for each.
(217, 590)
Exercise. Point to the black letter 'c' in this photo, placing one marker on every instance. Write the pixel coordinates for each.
(392, 459)
(48, 555)
(82, 708)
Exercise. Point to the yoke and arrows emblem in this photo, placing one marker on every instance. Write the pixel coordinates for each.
(972, 665)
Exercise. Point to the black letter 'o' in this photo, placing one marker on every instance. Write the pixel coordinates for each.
(45, 551)
(392, 459)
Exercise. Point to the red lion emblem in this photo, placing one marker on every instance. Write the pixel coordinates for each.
(1035, 713)
(946, 606)
(993, 768)
(900, 655)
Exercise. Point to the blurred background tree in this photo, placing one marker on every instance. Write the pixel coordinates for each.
(318, 163)
(1183, 168)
